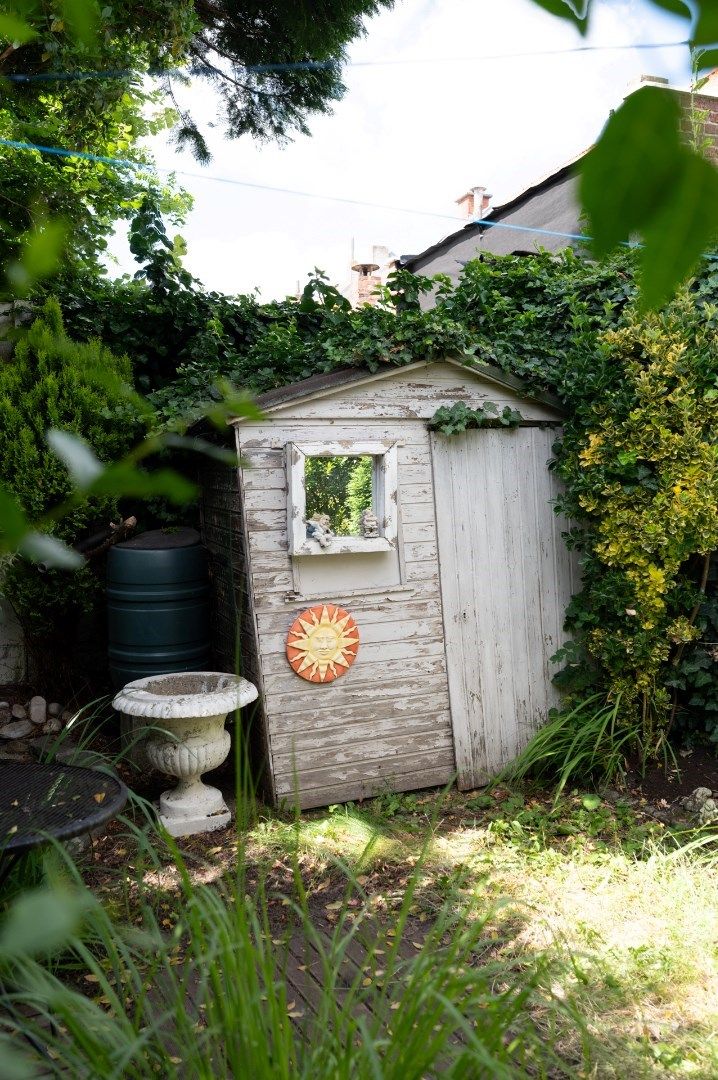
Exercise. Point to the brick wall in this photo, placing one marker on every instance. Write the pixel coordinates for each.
(704, 109)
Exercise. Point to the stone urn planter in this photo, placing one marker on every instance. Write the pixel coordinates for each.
(190, 709)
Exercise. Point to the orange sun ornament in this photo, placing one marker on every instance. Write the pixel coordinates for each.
(322, 643)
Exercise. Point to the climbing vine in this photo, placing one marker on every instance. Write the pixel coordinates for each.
(642, 485)
(453, 419)
(637, 456)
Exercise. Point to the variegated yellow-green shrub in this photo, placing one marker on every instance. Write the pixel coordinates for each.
(641, 468)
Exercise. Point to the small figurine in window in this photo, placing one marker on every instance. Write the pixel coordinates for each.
(368, 523)
(319, 528)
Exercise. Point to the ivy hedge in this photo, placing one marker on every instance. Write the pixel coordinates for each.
(637, 456)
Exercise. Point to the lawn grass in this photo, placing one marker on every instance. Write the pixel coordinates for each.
(629, 922)
(592, 905)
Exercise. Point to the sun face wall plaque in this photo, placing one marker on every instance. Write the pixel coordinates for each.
(322, 643)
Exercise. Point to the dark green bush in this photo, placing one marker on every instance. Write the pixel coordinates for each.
(54, 382)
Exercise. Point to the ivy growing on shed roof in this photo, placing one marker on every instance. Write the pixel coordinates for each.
(637, 454)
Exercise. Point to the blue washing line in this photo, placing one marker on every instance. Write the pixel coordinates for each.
(120, 163)
(125, 163)
(530, 229)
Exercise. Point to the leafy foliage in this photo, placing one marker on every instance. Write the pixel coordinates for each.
(452, 420)
(186, 342)
(641, 475)
(270, 66)
(264, 62)
(53, 382)
(42, 193)
(694, 678)
(580, 743)
(234, 45)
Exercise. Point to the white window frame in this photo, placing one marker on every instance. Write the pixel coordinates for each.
(384, 497)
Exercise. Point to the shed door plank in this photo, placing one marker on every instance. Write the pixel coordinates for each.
(450, 464)
(505, 578)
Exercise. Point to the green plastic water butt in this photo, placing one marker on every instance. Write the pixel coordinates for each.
(158, 605)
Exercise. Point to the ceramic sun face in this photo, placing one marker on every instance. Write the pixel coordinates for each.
(322, 643)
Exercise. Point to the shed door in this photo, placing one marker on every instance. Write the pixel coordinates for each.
(506, 578)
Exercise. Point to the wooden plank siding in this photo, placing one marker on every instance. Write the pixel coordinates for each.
(234, 638)
(507, 578)
(390, 713)
(386, 724)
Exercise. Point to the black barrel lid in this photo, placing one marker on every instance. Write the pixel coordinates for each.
(162, 540)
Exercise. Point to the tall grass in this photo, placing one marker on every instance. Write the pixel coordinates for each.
(211, 999)
(122, 997)
(588, 742)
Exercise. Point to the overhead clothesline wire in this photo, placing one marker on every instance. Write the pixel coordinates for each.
(124, 163)
(319, 65)
(127, 164)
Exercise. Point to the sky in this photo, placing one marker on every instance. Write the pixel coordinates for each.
(414, 131)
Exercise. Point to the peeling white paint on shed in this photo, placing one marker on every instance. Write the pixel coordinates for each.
(429, 694)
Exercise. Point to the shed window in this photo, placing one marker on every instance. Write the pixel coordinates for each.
(342, 498)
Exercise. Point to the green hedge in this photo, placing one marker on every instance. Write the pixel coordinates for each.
(54, 382)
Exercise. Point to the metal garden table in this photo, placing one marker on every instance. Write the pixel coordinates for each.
(52, 801)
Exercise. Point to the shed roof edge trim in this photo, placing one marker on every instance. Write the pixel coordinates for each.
(318, 386)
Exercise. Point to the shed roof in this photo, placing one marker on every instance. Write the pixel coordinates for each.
(322, 385)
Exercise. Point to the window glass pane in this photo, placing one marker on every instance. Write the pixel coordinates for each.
(341, 488)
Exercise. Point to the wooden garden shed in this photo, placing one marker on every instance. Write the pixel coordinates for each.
(455, 585)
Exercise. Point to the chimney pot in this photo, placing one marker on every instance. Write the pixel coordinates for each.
(475, 202)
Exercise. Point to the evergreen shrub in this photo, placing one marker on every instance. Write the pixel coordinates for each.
(54, 382)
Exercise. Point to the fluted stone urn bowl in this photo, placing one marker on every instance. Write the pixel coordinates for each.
(187, 712)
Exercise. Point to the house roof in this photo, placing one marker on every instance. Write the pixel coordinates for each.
(322, 385)
(496, 213)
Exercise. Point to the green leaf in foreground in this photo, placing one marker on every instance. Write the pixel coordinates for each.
(13, 525)
(627, 177)
(42, 548)
(575, 11)
(124, 479)
(15, 30)
(641, 179)
(82, 19)
(41, 921)
(680, 232)
(40, 255)
(675, 7)
(75, 454)
(705, 31)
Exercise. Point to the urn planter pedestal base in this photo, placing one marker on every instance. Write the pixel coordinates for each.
(187, 712)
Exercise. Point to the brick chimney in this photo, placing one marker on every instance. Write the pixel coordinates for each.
(474, 203)
(371, 267)
(367, 282)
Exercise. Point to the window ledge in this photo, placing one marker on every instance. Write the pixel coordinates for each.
(345, 545)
